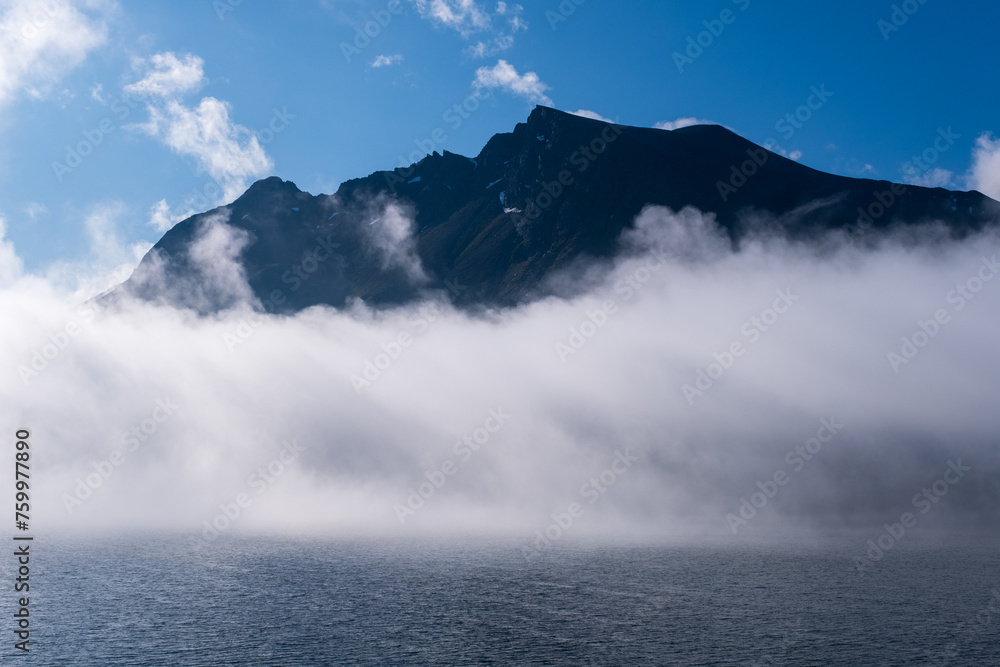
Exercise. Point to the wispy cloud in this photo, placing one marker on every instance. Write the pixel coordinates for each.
(110, 259)
(593, 115)
(166, 75)
(34, 209)
(985, 173)
(465, 16)
(933, 178)
(391, 237)
(11, 265)
(499, 25)
(226, 151)
(387, 61)
(682, 122)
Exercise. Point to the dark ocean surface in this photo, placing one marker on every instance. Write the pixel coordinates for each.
(144, 601)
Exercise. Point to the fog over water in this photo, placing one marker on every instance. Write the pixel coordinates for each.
(692, 375)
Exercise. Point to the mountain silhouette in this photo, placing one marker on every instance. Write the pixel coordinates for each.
(494, 229)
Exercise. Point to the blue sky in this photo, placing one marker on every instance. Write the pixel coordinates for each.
(221, 93)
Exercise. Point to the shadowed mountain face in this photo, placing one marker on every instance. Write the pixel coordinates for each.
(492, 230)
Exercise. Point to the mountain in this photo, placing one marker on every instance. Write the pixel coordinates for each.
(491, 230)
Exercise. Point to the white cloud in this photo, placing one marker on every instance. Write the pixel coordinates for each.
(227, 152)
(593, 115)
(391, 235)
(512, 13)
(108, 253)
(102, 225)
(933, 178)
(496, 45)
(469, 17)
(478, 50)
(774, 147)
(160, 216)
(40, 43)
(215, 255)
(465, 16)
(387, 61)
(213, 277)
(167, 76)
(504, 76)
(985, 173)
(681, 122)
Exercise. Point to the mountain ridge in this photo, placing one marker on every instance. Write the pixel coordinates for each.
(490, 230)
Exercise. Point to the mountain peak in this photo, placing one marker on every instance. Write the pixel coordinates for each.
(270, 184)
